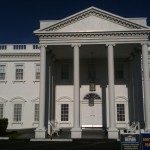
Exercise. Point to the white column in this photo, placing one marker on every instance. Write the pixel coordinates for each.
(112, 132)
(76, 130)
(146, 86)
(40, 132)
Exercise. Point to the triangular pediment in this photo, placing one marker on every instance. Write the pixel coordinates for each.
(92, 19)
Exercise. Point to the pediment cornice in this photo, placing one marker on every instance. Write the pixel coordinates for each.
(92, 11)
(54, 35)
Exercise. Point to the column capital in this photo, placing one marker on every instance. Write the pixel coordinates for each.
(145, 43)
(113, 44)
(44, 46)
(76, 44)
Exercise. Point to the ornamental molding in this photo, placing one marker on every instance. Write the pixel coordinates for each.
(21, 55)
(92, 11)
(85, 35)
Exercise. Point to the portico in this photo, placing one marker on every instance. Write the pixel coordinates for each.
(112, 39)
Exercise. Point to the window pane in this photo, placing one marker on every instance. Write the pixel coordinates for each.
(17, 112)
(1, 110)
(19, 72)
(36, 113)
(120, 112)
(2, 72)
(119, 73)
(65, 72)
(64, 112)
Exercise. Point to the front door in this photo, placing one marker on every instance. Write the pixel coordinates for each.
(91, 115)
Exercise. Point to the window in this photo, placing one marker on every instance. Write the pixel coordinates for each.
(36, 112)
(19, 72)
(17, 112)
(37, 72)
(91, 71)
(35, 46)
(120, 112)
(2, 72)
(119, 73)
(1, 110)
(65, 72)
(64, 112)
(19, 47)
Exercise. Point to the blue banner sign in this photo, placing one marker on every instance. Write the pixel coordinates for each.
(145, 141)
(130, 141)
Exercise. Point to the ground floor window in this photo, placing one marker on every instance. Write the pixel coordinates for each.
(17, 112)
(36, 112)
(1, 110)
(64, 112)
(120, 112)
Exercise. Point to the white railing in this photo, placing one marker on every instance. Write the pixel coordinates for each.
(19, 48)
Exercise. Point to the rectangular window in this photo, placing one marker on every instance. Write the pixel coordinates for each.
(1, 110)
(119, 71)
(36, 112)
(64, 112)
(2, 72)
(37, 72)
(120, 112)
(65, 72)
(91, 71)
(17, 112)
(19, 72)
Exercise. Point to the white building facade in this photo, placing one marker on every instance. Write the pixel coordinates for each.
(86, 71)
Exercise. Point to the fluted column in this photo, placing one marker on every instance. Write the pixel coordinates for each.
(112, 132)
(76, 130)
(40, 132)
(146, 86)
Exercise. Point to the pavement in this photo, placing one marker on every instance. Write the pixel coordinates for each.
(91, 140)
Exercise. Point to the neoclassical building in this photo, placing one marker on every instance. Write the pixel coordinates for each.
(90, 69)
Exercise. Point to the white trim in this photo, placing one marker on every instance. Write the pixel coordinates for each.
(95, 126)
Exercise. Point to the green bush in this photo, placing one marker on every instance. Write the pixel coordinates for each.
(3, 125)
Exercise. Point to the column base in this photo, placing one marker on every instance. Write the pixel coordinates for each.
(40, 133)
(76, 133)
(113, 134)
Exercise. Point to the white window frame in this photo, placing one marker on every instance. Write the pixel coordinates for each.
(2, 110)
(19, 80)
(35, 101)
(125, 102)
(15, 119)
(18, 100)
(3, 101)
(36, 112)
(64, 114)
(37, 80)
(5, 80)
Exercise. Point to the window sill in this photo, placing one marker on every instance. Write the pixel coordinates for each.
(36, 122)
(21, 123)
(3, 81)
(36, 81)
(19, 81)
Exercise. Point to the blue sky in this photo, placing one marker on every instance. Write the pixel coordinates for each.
(19, 18)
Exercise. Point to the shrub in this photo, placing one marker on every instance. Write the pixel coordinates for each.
(3, 125)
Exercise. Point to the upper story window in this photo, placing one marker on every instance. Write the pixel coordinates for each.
(119, 71)
(2, 72)
(91, 71)
(1, 110)
(65, 72)
(37, 72)
(19, 72)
